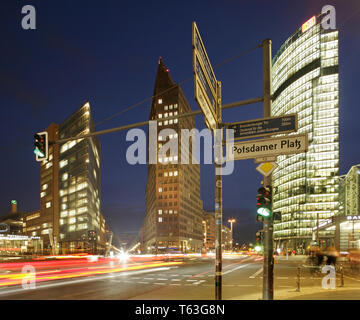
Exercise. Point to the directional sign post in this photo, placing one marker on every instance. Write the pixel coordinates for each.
(208, 96)
(264, 127)
(205, 83)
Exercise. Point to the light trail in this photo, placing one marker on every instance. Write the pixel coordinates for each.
(86, 271)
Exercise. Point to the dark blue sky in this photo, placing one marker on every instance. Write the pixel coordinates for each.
(106, 52)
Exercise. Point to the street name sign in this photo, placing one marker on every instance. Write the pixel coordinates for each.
(267, 147)
(205, 83)
(264, 127)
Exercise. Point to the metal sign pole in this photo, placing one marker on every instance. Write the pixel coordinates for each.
(268, 273)
(218, 200)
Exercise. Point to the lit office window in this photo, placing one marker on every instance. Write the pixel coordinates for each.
(48, 204)
(160, 101)
(63, 163)
(48, 165)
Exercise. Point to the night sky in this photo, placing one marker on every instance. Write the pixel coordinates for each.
(106, 52)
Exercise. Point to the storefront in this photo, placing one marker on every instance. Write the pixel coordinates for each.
(11, 244)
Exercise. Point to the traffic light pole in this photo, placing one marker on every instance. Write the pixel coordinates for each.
(268, 269)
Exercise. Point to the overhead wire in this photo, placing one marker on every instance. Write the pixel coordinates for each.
(174, 86)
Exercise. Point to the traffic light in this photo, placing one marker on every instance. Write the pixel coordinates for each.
(92, 235)
(41, 145)
(259, 238)
(263, 204)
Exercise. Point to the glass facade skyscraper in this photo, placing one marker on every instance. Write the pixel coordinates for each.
(79, 181)
(305, 82)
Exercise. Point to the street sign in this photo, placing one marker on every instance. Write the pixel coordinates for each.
(265, 159)
(264, 127)
(266, 168)
(267, 147)
(205, 83)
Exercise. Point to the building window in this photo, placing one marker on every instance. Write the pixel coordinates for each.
(45, 186)
(33, 216)
(48, 204)
(160, 101)
(42, 194)
(160, 219)
(160, 189)
(48, 165)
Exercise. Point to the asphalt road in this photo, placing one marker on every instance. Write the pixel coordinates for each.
(191, 279)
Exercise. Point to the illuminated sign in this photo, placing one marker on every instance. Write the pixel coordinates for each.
(308, 24)
(353, 218)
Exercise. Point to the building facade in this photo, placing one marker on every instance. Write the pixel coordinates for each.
(173, 218)
(79, 181)
(209, 231)
(349, 199)
(70, 189)
(306, 83)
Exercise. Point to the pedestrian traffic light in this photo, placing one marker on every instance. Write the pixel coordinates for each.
(41, 145)
(263, 204)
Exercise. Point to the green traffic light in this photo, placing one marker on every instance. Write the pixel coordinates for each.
(38, 153)
(265, 212)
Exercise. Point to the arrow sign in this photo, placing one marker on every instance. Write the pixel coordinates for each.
(264, 127)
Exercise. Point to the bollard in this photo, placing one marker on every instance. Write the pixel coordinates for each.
(341, 276)
(298, 279)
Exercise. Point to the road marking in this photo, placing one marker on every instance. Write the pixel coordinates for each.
(161, 279)
(236, 268)
(200, 281)
(351, 278)
(160, 283)
(143, 282)
(245, 285)
(256, 273)
(149, 278)
(175, 280)
(191, 280)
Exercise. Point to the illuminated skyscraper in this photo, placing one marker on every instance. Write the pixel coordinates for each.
(79, 181)
(69, 187)
(173, 206)
(305, 82)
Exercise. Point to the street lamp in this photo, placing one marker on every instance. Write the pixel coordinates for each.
(231, 221)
